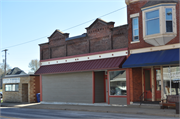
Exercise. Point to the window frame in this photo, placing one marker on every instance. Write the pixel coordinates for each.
(163, 34)
(109, 87)
(169, 20)
(11, 87)
(146, 20)
(133, 40)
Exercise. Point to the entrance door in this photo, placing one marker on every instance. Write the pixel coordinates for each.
(24, 92)
(147, 85)
(157, 73)
(99, 86)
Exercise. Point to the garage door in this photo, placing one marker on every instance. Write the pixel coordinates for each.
(67, 87)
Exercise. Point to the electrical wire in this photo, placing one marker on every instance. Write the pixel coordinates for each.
(64, 29)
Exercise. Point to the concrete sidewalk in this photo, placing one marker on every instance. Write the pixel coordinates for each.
(131, 109)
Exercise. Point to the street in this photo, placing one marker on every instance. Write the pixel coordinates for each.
(11, 112)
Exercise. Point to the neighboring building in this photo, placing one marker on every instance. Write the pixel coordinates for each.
(86, 68)
(16, 71)
(20, 87)
(153, 41)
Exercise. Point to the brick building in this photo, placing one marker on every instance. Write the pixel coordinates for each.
(153, 42)
(86, 68)
(20, 87)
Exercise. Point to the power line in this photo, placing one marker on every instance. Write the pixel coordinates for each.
(65, 29)
(25, 42)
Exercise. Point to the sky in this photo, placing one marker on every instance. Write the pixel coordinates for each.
(26, 23)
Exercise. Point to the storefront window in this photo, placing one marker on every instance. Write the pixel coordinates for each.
(11, 87)
(117, 82)
(171, 78)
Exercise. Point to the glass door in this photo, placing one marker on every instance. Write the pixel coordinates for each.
(147, 85)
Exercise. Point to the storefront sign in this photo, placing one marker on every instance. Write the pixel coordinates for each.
(11, 80)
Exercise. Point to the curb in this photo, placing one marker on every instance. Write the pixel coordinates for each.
(90, 110)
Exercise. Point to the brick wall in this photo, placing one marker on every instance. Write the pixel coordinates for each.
(33, 88)
(135, 7)
(135, 84)
(101, 36)
(77, 46)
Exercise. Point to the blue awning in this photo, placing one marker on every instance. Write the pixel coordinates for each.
(165, 57)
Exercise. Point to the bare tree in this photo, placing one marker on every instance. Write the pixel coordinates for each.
(34, 65)
(8, 68)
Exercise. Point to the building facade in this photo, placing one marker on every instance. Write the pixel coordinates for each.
(153, 41)
(20, 88)
(86, 68)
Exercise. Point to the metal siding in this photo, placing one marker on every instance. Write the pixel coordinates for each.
(118, 100)
(99, 86)
(69, 87)
(107, 63)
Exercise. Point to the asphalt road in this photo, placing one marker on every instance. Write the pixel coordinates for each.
(12, 113)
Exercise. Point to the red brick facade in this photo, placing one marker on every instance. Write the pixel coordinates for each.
(135, 84)
(136, 73)
(101, 36)
(135, 7)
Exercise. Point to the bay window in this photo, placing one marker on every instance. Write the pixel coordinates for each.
(152, 22)
(159, 24)
(169, 27)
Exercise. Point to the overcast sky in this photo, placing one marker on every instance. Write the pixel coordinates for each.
(22, 21)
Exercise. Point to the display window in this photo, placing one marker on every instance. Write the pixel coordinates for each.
(117, 81)
(171, 80)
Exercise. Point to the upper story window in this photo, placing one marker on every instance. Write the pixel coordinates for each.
(159, 23)
(169, 27)
(135, 26)
(152, 22)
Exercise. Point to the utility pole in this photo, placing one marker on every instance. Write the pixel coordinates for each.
(5, 62)
(4, 66)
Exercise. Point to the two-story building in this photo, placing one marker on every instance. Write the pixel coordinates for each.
(153, 42)
(86, 68)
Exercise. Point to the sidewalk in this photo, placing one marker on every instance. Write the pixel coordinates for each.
(131, 109)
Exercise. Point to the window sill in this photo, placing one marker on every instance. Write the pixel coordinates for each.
(135, 42)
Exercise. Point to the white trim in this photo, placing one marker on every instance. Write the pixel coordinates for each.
(134, 15)
(86, 58)
(151, 49)
(163, 37)
(135, 42)
(161, 4)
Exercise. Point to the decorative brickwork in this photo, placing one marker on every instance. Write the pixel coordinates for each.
(100, 36)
